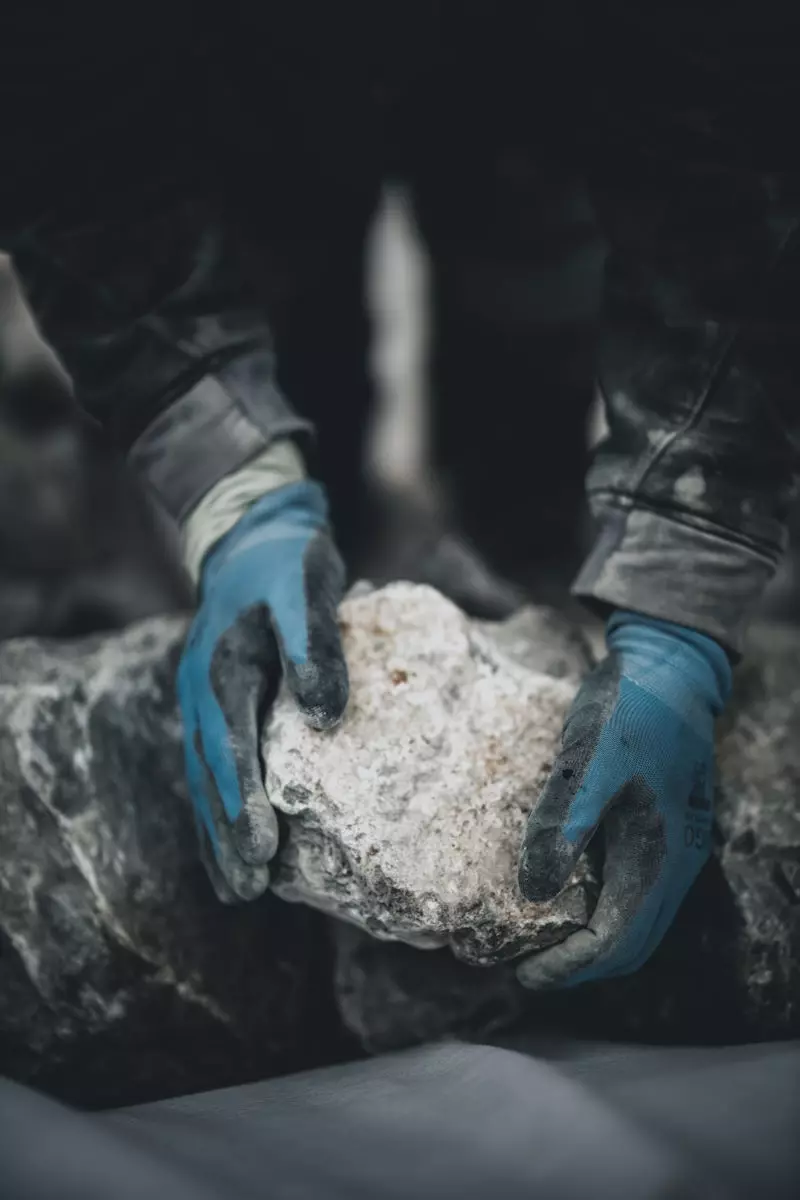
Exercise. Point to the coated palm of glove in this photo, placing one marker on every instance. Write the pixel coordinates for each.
(637, 761)
(270, 591)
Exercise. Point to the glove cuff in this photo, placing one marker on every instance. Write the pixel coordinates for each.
(703, 661)
(226, 503)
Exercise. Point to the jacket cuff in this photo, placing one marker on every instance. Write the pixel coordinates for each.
(226, 503)
(660, 567)
(224, 421)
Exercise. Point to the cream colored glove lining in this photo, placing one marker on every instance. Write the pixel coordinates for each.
(222, 506)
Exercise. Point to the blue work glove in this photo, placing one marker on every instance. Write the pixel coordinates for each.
(269, 594)
(637, 763)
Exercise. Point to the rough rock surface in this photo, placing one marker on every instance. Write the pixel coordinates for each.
(730, 967)
(407, 819)
(121, 976)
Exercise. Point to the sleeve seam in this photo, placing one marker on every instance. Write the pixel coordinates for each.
(628, 502)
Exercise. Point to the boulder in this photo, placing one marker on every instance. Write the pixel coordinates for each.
(408, 818)
(729, 969)
(121, 976)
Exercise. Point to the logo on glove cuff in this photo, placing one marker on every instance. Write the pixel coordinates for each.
(695, 837)
(699, 799)
(697, 830)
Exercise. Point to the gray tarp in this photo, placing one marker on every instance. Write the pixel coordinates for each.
(562, 1119)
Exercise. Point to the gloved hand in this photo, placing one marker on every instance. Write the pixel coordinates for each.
(637, 762)
(270, 590)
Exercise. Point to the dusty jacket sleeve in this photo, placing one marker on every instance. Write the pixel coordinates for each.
(693, 484)
(149, 313)
(699, 357)
(111, 163)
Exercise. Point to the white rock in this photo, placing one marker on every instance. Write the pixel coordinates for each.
(407, 819)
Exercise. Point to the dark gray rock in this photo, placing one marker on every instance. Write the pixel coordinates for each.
(121, 976)
(391, 995)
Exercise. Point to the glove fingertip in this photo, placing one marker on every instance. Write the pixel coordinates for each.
(251, 884)
(233, 880)
(539, 876)
(255, 831)
(534, 976)
(321, 692)
(560, 966)
(208, 856)
(547, 860)
(325, 715)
